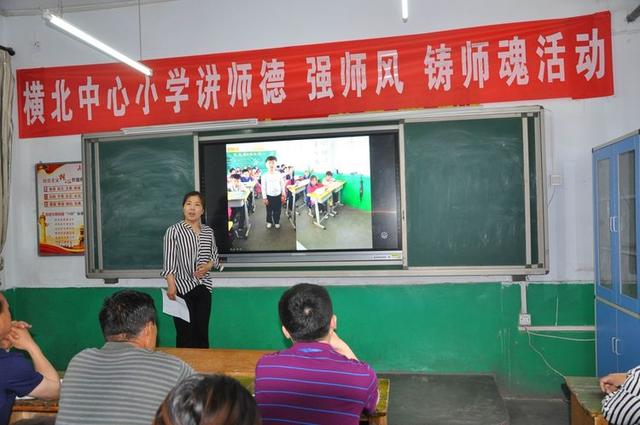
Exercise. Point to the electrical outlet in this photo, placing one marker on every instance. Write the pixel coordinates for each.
(556, 180)
(524, 320)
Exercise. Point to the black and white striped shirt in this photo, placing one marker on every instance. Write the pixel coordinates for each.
(623, 406)
(184, 251)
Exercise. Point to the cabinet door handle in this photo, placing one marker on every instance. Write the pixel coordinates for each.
(610, 224)
(617, 346)
(613, 224)
(613, 345)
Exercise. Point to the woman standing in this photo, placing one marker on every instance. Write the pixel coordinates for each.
(190, 252)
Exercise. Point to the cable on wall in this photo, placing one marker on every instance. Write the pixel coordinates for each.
(556, 371)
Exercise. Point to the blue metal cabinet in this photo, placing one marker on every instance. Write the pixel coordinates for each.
(616, 178)
(604, 211)
(628, 342)
(606, 339)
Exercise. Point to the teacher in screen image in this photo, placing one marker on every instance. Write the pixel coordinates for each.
(190, 253)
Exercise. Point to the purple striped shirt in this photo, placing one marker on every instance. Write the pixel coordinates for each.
(310, 383)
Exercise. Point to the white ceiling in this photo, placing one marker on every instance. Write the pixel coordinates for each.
(35, 7)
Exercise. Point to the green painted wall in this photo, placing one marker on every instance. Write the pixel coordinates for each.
(351, 191)
(350, 195)
(442, 328)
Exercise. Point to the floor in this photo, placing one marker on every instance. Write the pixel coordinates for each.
(530, 412)
(262, 239)
(427, 399)
(349, 229)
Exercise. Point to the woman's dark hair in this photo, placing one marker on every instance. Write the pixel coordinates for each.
(208, 400)
(194, 193)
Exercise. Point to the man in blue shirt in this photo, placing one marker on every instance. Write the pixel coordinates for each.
(18, 376)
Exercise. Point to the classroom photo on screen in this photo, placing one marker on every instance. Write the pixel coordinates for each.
(299, 195)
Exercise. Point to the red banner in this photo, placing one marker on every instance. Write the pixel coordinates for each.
(519, 61)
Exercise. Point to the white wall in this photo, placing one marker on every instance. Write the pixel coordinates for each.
(186, 27)
(3, 31)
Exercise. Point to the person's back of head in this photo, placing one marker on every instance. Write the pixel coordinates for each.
(306, 311)
(125, 314)
(208, 400)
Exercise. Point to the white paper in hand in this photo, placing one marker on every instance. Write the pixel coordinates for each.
(175, 308)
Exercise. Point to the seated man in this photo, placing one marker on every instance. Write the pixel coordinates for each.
(318, 380)
(125, 381)
(18, 376)
(621, 406)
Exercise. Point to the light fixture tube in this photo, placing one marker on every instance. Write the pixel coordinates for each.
(190, 126)
(78, 33)
(405, 10)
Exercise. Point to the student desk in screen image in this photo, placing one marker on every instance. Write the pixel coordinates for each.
(250, 186)
(324, 195)
(238, 199)
(336, 188)
(295, 190)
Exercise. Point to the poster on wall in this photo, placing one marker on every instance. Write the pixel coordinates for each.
(60, 208)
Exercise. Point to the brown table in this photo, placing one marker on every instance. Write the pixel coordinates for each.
(29, 408)
(218, 360)
(241, 364)
(586, 400)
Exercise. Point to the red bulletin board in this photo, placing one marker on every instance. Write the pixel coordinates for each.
(60, 216)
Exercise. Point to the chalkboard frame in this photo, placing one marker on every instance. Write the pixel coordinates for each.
(94, 256)
(399, 118)
(533, 138)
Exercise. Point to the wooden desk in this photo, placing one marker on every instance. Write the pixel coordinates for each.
(586, 400)
(324, 195)
(30, 408)
(218, 360)
(336, 187)
(238, 199)
(321, 196)
(295, 189)
(241, 364)
(249, 185)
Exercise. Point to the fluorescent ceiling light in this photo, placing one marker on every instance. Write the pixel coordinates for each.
(405, 10)
(92, 41)
(191, 126)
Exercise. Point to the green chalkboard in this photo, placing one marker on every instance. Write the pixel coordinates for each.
(141, 185)
(465, 193)
(248, 159)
